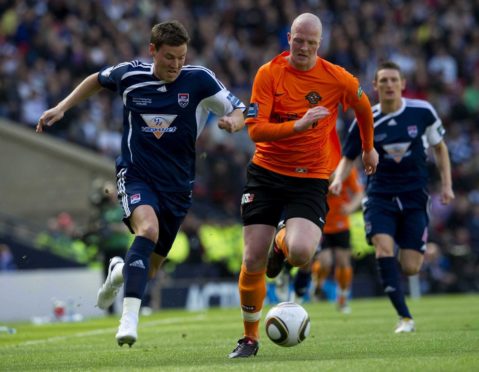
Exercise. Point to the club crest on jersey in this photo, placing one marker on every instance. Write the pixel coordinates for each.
(412, 131)
(183, 99)
(313, 98)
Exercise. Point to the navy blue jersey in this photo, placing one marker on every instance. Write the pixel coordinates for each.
(161, 121)
(401, 139)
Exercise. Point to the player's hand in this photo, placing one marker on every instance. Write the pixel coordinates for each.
(312, 116)
(48, 118)
(228, 124)
(233, 122)
(370, 161)
(336, 186)
(447, 195)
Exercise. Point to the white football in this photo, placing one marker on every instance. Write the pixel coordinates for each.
(287, 324)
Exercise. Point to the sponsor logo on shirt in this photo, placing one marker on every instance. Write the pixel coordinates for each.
(397, 151)
(158, 124)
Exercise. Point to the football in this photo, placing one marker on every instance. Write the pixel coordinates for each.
(287, 324)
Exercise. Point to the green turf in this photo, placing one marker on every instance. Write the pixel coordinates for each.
(447, 339)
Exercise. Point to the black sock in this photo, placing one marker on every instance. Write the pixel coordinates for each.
(137, 264)
(301, 282)
(391, 281)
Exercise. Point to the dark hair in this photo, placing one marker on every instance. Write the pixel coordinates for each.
(390, 65)
(171, 33)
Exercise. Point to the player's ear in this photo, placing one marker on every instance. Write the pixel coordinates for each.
(152, 49)
(403, 84)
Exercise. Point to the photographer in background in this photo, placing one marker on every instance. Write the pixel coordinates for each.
(112, 235)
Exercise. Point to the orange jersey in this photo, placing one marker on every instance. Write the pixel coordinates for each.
(336, 220)
(281, 95)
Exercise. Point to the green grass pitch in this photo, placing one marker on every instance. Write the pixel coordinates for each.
(447, 339)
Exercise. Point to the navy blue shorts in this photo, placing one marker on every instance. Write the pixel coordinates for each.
(170, 207)
(403, 216)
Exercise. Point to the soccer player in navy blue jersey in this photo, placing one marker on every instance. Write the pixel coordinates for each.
(165, 107)
(397, 200)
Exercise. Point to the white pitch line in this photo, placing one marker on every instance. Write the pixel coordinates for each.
(103, 331)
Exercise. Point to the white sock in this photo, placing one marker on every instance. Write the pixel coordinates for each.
(131, 307)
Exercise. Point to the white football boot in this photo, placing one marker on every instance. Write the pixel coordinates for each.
(342, 301)
(113, 282)
(282, 286)
(128, 330)
(405, 325)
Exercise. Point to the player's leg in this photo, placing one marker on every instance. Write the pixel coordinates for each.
(136, 269)
(321, 267)
(390, 274)
(305, 214)
(343, 272)
(412, 239)
(252, 286)
(301, 283)
(261, 210)
(300, 240)
(381, 215)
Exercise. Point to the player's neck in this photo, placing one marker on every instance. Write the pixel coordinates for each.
(390, 106)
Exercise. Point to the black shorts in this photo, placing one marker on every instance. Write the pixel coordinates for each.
(341, 240)
(269, 197)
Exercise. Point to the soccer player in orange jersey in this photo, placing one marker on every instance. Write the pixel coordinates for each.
(292, 120)
(337, 239)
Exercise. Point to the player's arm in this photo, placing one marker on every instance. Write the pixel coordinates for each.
(356, 191)
(354, 203)
(441, 154)
(85, 89)
(364, 117)
(340, 174)
(265, 131)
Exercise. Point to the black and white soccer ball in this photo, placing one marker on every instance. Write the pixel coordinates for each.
(287, 324)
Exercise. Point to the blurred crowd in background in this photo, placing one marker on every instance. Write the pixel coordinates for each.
(48, 47)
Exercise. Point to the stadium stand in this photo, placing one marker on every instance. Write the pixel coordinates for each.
(46, 46)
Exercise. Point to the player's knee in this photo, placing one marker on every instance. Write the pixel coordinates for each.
(410, 269)
(300, 255)
(254, 260)
(149, 232)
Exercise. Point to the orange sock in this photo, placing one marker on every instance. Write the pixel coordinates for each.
(252, 289)
(280, 243)
(316, 268)
(323, 273)
(344, 277)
